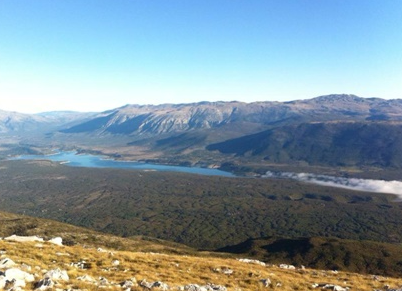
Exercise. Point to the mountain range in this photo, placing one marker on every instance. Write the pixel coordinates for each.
(331, 130)
(174, 118)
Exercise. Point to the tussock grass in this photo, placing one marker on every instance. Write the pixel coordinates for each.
(175, 270)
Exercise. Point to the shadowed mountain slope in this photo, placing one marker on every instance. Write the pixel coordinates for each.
(323, 143)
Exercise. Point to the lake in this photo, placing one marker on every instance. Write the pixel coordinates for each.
(94, 161)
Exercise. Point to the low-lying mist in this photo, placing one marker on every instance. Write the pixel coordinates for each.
(369, 185)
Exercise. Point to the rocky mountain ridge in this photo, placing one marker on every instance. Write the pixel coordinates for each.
(166, 118)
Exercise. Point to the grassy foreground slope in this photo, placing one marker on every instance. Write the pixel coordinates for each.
(22, 225)
(175, 269)
(200, 211)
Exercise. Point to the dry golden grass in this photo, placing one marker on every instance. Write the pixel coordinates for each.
(175, 270)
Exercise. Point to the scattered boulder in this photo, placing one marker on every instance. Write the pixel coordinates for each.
(330, 287)
(18, 238)
(82, 265)
(225, 271)
(285, 266)
(209, 287)
(57, 241)
(250, 261)
(44, 284)
(26, 267)
(57, 274)
(6, 263)
(128, 283)
(214, 287)
(155, 285)
(266, 282)
(17, 274)
(190, 287)
(14, 284)
(103, 281)
(160, 285)
(86, 278)
(116, 263)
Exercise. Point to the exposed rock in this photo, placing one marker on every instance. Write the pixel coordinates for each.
(116, 263)
(6, 263)
(160, 285)
(57, 274)
(191, 287)
(155, 285)
(26, 267)
(285, 266)
(209, 287)
(103, 281)
(44, 284)
(213, 287)
(128, 283)
(86, 278)
(82, 265)
(250, 261)
(3, 281)
(266, 282)
(24, 238)
(14, 284)
(225, 271)
(57, 241)
(18, 274)
(330, 287)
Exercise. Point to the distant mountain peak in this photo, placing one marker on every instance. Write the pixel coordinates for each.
(339, 97)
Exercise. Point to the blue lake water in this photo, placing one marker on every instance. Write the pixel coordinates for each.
(93, 161)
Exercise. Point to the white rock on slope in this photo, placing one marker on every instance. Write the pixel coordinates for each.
(57, 274)
(6, 263)
(24, 238)
(57, 241)
(17, 274)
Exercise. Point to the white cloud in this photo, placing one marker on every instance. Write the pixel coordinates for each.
(368, 185)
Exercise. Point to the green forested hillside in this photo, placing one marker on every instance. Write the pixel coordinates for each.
(325, 253)
(200, 211)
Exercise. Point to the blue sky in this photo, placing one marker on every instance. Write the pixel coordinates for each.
(97, 55)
